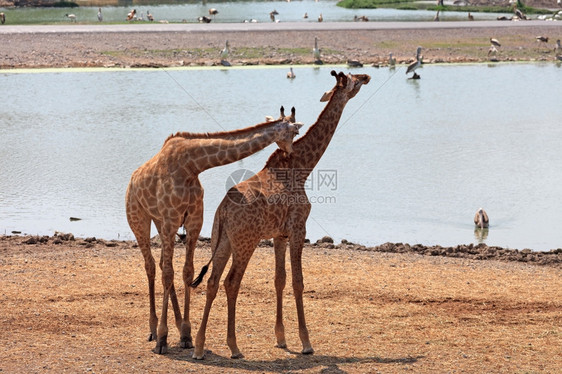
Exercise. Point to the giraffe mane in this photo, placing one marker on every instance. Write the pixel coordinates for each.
(220, 134)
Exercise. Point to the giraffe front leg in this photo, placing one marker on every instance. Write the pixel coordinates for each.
(192, 225)
(168, 286)
(280, 281)
(297, 243)
(232, 287)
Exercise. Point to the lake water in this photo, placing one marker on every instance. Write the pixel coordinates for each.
(411, 161)
(232, 12)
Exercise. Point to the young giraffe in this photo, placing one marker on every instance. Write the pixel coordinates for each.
(166, 190)
(273, 203)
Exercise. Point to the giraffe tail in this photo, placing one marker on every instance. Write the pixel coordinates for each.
(197, 281)
(215, 236)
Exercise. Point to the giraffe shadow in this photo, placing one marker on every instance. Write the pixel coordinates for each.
(293, 362)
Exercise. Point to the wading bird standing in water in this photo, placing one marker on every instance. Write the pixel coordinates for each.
(481, 219)
(414, 65)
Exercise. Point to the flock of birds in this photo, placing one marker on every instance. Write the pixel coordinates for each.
(411, 68)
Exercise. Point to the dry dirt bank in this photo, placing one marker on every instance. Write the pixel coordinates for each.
(162, 49)
(82, 306)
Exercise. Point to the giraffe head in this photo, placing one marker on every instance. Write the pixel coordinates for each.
(287, 129)
(349, 84)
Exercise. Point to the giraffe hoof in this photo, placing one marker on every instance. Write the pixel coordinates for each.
(151, 337)
(307, 351)
(186, 343)
(161, 347)
(237, 355)
(281, 345)
(198, 356)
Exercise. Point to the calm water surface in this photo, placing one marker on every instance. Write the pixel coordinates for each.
(411, 161)
(232, 12)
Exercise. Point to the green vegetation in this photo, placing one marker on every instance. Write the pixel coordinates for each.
(413, 5)
(65, 4)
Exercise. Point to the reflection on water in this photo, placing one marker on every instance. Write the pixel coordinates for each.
(410, 161)
(481, 234)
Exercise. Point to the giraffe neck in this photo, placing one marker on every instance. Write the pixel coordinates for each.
(308, 150)
(200, 152)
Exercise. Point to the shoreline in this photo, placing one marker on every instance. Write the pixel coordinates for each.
(551, 258)
(177, 45)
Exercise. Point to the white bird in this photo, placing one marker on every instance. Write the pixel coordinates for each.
(204, 19)
(305, 15)
(149, 16)
(71, 16)
(100, 16)
(481, 219)
(131, 14)
(492, 50)
(495, 42)
(213, 12)
(558, 47)
(224, 54)
(316, 52)
(2, 18)
(291, 74)
(320, 18)
(414, 65)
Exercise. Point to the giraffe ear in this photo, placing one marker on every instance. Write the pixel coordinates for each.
(327, 96)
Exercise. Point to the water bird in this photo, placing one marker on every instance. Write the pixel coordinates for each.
(492, 51)
(414, 65)
(213, 12)
(291, 74)
(436, 18)
(100, 16)
(519, 14)
(495, 42)
(131, 14)
(272, 15)
(470, 17)
(481, 219)
(224, 54)
(320, 18)
(316, 52)
(354, 64)
(391, 60)
(149, 16)
(305, 15)
(71, 17)
(2, 18)
(360, 19)
(557, 47)
(204, 19)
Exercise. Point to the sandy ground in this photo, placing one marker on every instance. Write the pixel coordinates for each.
(164, 49)
(82, 306)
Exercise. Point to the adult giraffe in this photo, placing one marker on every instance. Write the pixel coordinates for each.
(272, 204)
(167, 191)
